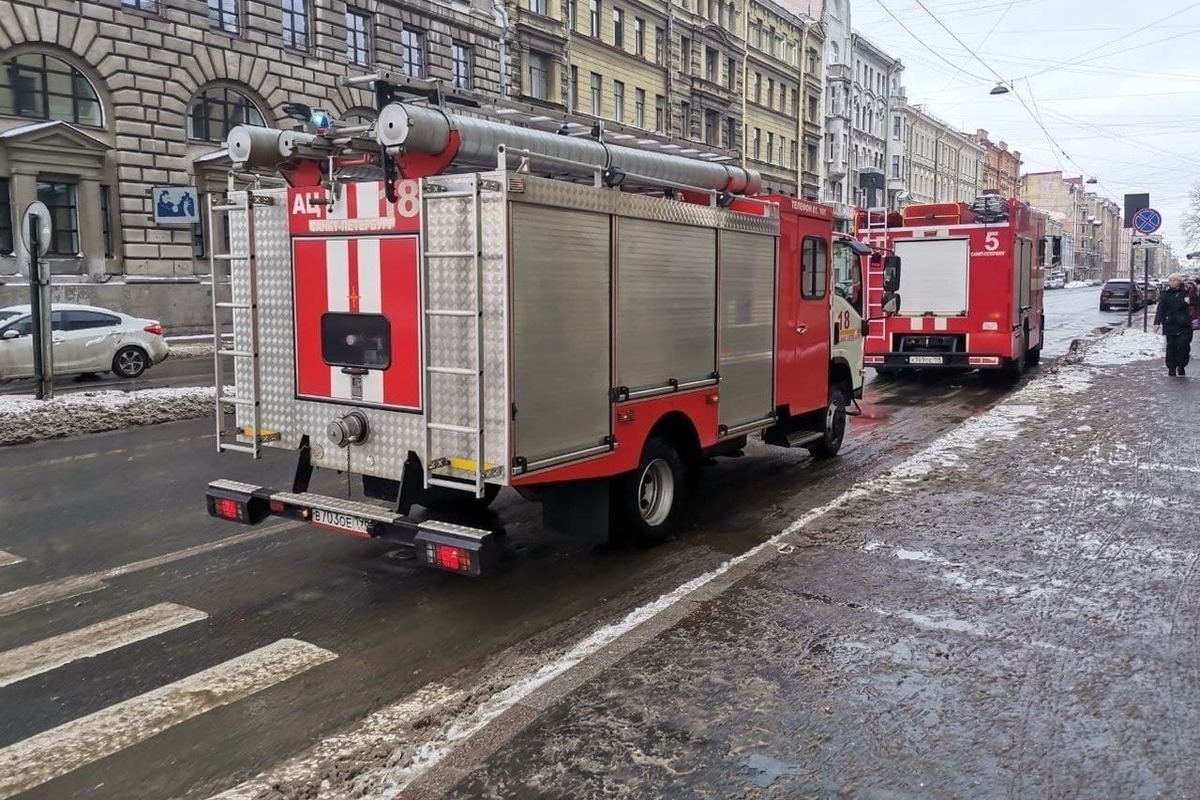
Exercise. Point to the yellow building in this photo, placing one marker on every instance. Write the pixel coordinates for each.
(678, 70)
(782, 102)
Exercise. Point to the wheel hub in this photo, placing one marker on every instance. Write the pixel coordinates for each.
(656, 492)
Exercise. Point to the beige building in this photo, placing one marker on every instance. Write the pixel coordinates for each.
(782, 101)
(102, 102)
(944, 164)
(1100, 245)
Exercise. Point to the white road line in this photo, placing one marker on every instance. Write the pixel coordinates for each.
(34, 659)
(74, 585)
(8, 559)
(50, 592)
(75, 744)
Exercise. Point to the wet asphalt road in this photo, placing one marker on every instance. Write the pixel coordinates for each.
(1070, 310)
(99, 527)
(170, 373)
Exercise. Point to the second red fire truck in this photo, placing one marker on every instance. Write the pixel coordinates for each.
(970, 293)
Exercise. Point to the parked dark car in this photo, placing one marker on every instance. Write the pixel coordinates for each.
(1116, 294)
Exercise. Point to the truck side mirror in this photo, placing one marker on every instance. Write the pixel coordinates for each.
(891, 303)
(891, 274)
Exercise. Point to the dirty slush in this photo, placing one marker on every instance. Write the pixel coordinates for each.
(1010, 613)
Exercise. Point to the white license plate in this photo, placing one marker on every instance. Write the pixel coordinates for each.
(343, 522)
(925, 359)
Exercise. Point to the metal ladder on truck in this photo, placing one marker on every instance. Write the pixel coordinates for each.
(232, 397)
(434, 195)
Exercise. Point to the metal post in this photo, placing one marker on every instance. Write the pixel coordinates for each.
(1132, 281)
(43, 353)
(1146, 291)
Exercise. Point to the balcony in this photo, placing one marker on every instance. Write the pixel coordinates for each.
(838, 72)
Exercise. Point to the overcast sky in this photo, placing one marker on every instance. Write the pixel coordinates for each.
(1116, 84)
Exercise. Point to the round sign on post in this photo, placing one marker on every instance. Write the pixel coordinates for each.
(37, 209)
(1147, 221)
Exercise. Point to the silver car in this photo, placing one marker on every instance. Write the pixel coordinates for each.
(86, 339)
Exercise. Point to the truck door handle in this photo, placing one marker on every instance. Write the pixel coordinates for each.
(801, 329)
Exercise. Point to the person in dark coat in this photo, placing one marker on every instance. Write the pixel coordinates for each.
(1173, 319)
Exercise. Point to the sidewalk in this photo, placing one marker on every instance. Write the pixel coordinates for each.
(1010, 613)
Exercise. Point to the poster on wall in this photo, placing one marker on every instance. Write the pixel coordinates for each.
(176, 205)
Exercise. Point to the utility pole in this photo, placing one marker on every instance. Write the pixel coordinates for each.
(36, 230)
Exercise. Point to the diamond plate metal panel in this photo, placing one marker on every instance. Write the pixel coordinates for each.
(392, 434)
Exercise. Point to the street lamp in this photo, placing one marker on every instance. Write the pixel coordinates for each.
(999, 88)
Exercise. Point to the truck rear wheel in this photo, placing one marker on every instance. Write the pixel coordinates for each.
(835, 426)
(652, 496)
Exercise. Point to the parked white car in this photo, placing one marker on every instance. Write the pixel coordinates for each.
(86, 339)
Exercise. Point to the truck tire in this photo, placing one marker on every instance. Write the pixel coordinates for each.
(652, 496)
(835, 426)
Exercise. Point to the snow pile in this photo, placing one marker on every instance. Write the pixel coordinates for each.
(192, 350)
(1124, 347)
(1002, 423)
(25, 419)
(1077, 285)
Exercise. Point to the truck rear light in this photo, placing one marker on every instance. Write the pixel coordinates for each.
(154, 328)
(626, 415)
(454, 548)
(236, 505)
(983, 361)
(277, 507)
(872, 359)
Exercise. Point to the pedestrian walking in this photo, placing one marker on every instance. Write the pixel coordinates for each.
(1174, 320)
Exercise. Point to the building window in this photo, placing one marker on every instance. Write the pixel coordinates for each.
(539, 75)
(758, 87)
(412, 52)
(594, 13)
(639, 108)
(597, 96)
(573, 89)
(358, 38)
(815, 268)
(730, 132)
(149, 6)
(216, 110)
(462, 58)
(896, 127)
(810, 152)
(685, 113)
(712, 65)
(618, 101)
(106, 229)
(659, 44)
(295, 24)
(685, 55)
(538, 7)
(6, 218)
(895, 166)
(60, 200)
(660, 113)
(813, 107)
(618, 27)
(225, 15)
(639, 37)
(730, 73)
(770, 93)
(757, 144)
(44, 87)
(770, 148)
(812, 61)
(796, 156)
(712, 127)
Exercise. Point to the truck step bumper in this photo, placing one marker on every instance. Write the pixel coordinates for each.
(442, 545)
(934, 361)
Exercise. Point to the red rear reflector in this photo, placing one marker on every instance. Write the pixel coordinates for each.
(276, 506)
(154, 328)
(625, 415)
(229, 509)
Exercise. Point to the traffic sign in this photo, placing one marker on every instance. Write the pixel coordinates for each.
(1147, 221)
(37, 209)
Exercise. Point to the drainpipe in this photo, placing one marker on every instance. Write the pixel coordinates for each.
(801, 147)
(669, 58)
(498, 7)
(745, 76)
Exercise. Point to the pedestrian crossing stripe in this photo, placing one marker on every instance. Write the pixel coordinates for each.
(58, 751)
(34, 659)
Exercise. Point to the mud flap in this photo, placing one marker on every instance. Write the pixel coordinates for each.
(580, 509)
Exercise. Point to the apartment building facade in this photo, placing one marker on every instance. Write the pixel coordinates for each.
(1001, 166)
(1101, 247)
(104, 100)
(863, 85)
(943, 164)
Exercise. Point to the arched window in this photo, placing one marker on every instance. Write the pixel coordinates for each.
(39, 86)
(359, 118)
(216, 110)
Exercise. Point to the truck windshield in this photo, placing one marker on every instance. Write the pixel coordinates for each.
(847, 275)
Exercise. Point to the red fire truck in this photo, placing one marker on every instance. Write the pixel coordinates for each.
(444, 305)
(969, 294)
